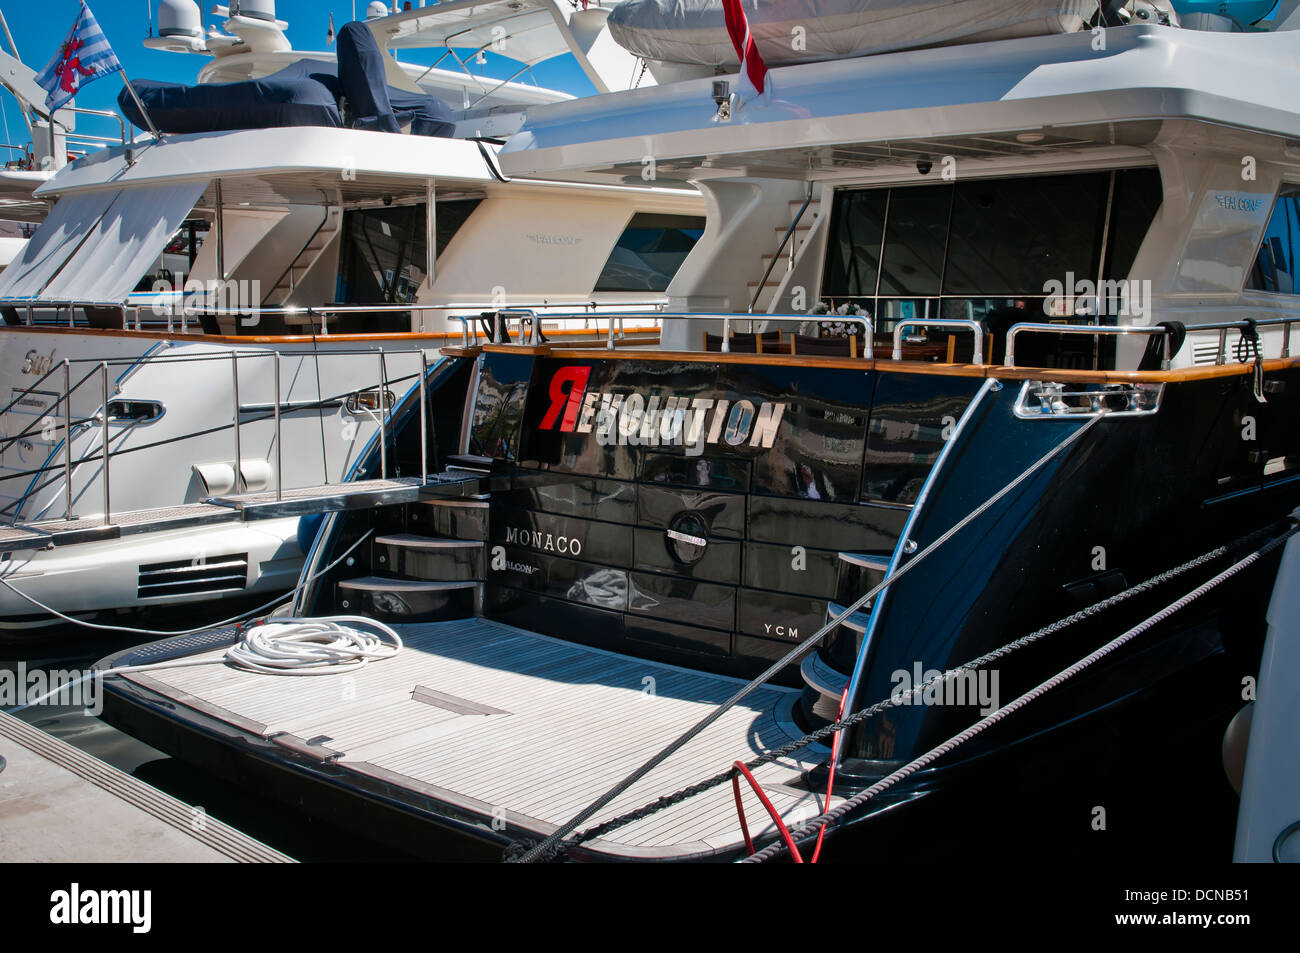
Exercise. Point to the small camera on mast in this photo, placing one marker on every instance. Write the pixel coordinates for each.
(722, 96)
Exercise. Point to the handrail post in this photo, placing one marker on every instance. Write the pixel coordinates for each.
(726, 333)
(234, 376)
(279, 456)
(383, 439)
(424, 428)
(609, 335)
(67, 439)
(869, 339)
(103, 380)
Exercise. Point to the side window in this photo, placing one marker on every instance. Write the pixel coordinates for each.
(1275, 264)
(649, 252)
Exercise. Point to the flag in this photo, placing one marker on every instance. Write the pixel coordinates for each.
(85, 55)
(753, 71)
(329, 34)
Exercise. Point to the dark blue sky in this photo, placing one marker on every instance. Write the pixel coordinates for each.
(39, 26)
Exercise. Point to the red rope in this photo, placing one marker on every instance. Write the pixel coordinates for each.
(771, 812)
(830, 780)
(771, 809)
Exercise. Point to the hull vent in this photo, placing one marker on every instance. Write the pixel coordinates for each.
(227, 573)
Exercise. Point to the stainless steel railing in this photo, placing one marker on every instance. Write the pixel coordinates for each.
(179, 307)
(616, 328)
(62, 402)
(1244, 328)
(1090, 330)
(977, 329)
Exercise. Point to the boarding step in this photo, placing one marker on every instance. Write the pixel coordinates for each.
(465, 519)
(91, 529)
(843, 643)
(468, 462)
(362, 494)
(823, 687)
(875, 562)
(859, 621)
(859, 573)
(408, 600)
(424, 558)
(13, 538)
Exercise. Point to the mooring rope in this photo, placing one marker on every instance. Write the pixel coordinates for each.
(904, 697)
(831, 817)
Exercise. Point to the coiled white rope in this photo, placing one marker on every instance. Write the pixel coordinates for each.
(290, 646)
(322, 646)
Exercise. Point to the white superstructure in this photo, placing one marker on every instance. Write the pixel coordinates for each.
(145, 321)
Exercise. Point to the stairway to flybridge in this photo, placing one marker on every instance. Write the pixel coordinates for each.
(788, 254)
(305, 259)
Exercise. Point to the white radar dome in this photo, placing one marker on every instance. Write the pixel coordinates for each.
(179, 18)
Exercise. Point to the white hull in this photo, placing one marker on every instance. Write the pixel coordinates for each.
(184, 456)
(93, 577)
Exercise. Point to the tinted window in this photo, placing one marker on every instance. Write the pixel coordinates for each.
(985, 245)
(382, 258)
(451, 215)
(1275, 265)
(914, 240)
(649, 252)
(1137, 199)
(853, 253)
(1010, 236)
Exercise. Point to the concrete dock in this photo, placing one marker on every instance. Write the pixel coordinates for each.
(59, 804)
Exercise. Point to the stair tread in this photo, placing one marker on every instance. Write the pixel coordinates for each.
(821, 677)
(859, 620)
(416, 541)
(381, 583)
(878, 561)
(461, 503)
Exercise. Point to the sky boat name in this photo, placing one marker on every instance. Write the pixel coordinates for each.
(655, 420)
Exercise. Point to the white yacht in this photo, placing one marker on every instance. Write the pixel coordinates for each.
(237, 310)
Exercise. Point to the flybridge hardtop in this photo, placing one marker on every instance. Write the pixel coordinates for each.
(693, 31)
(968, 101)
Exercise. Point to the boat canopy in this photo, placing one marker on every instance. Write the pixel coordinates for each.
(801, 31)
(96, 246)
(306, 93)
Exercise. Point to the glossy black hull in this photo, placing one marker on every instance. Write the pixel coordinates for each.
(724, 538)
